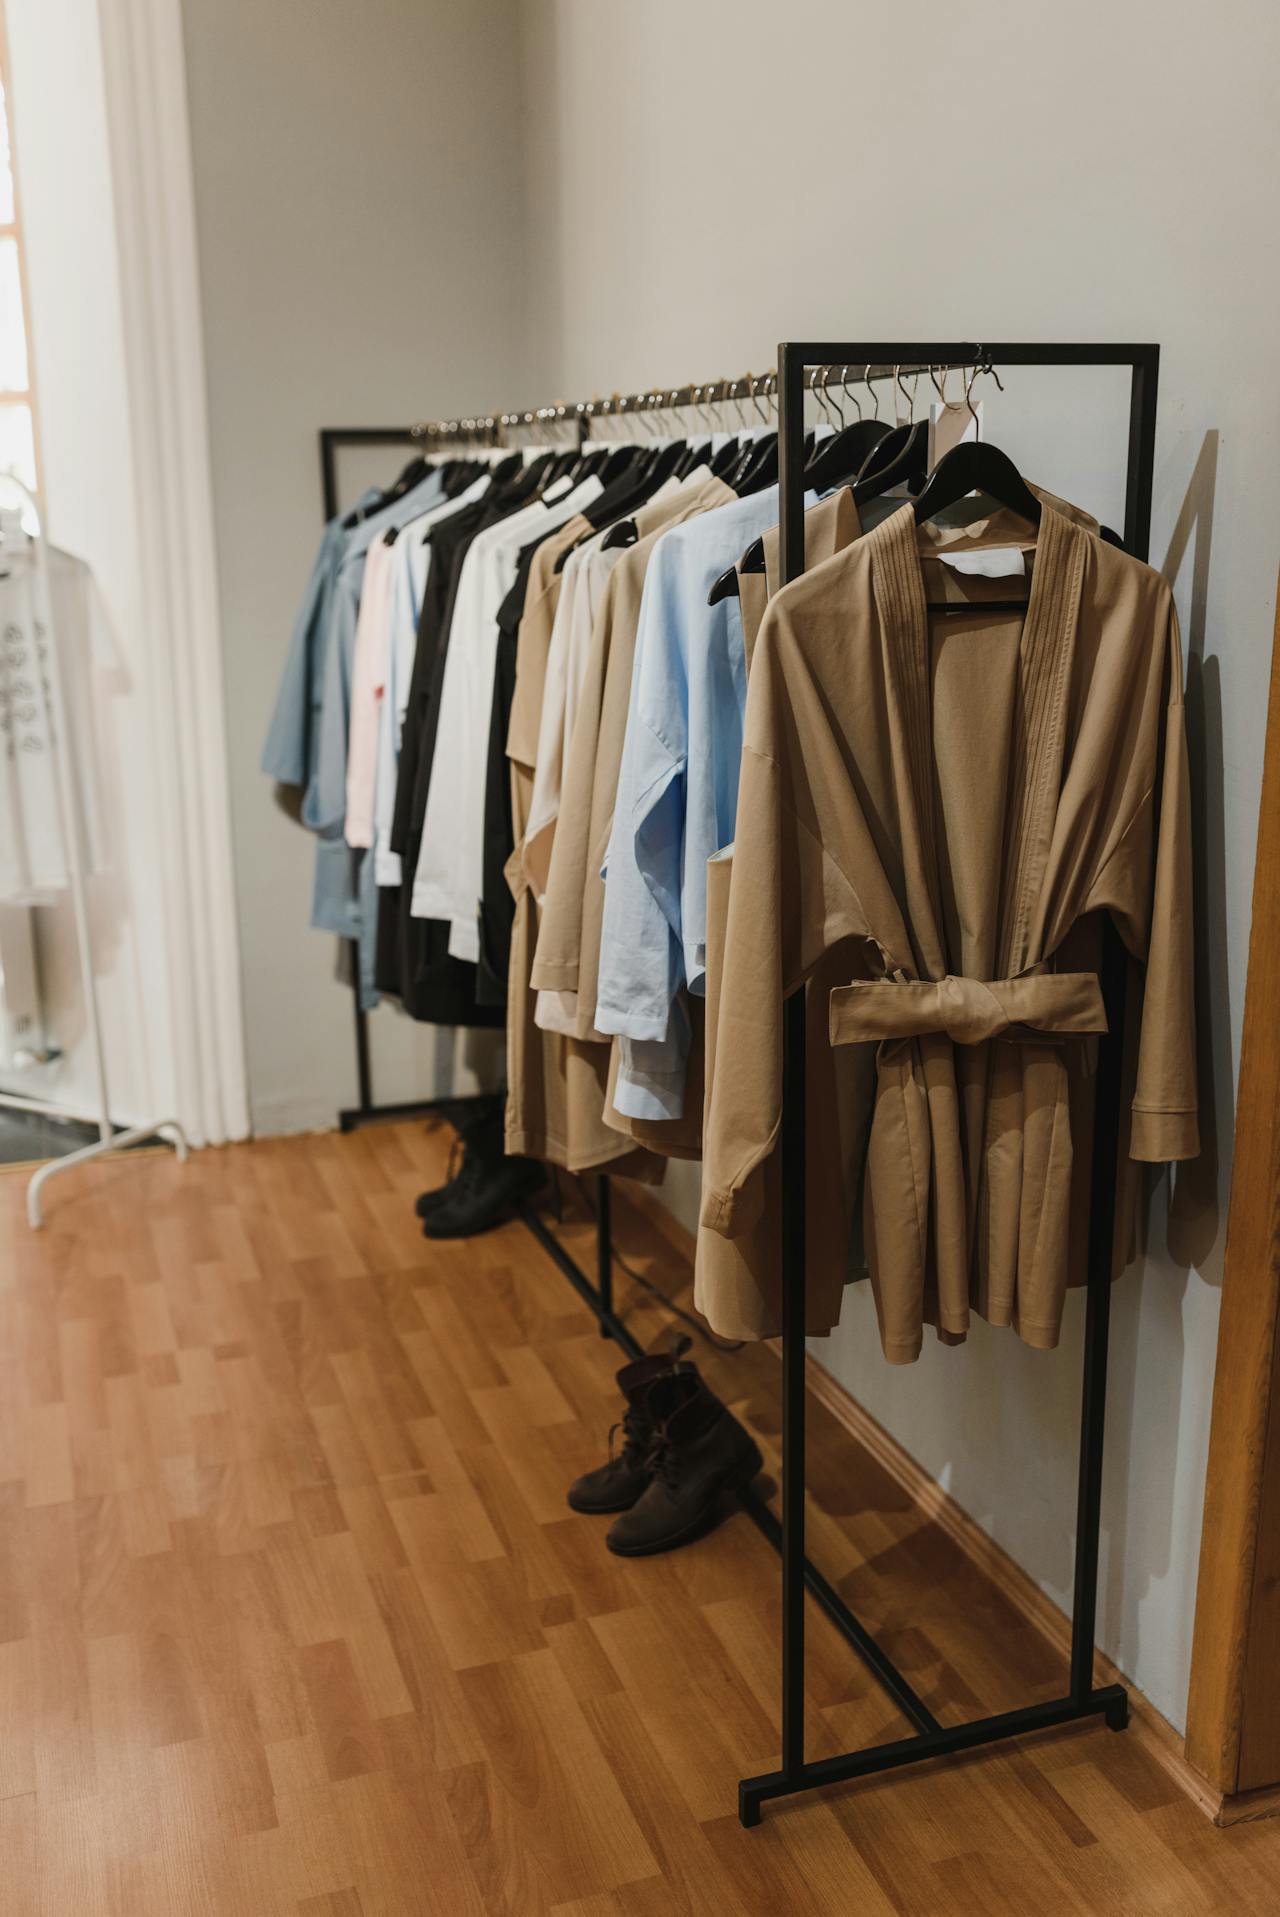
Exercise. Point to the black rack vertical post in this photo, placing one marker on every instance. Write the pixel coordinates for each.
(1082, 1699)
(331, 439)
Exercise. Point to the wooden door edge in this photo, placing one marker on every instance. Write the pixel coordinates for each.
(1243, 1472)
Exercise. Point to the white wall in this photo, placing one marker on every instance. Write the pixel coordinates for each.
(359, 216)
(707, 180)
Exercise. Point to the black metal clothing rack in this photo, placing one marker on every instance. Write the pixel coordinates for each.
(841, 362)
(1082, 1698)
(598, 1296)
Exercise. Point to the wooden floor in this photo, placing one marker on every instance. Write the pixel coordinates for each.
(294, 1618)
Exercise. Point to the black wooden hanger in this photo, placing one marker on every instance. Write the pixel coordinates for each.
(976, 466)
(414, 472)
(727, 458)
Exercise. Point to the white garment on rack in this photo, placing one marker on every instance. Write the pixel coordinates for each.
(410, 571)
(450, 877)
(33, 853)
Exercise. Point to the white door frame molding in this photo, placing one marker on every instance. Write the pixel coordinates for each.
(146, 99)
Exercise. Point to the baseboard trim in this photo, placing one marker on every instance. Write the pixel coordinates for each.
(1246, 1807)
(1148, 1725)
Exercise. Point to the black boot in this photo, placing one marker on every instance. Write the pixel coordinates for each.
(478, 1129)
(701, 1455)
(615, 1485)
(490, 1191)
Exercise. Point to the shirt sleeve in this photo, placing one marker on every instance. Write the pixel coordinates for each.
(284, 754)
(641, 958)
(325, 805)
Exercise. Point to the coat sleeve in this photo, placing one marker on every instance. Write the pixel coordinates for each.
(789, 901)
(1165, 1120)
(1147, 885)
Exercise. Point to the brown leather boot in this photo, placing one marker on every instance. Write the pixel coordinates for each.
(616, 1484)
(701, 1456)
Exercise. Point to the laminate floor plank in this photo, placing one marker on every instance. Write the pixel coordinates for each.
(295, 1621)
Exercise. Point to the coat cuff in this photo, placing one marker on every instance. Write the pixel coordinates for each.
(731, 1212)
(545, 976)
(1159, 1138)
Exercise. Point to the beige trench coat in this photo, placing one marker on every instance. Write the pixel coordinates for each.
(961, 798)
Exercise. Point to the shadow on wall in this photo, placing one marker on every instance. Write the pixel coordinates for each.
(1185, 1208)
(1195, 1205)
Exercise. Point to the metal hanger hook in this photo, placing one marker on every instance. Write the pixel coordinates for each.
(849, 394)
(818, 397)
(940, 388)
(968, 400)
(866, 375)
(752, 389)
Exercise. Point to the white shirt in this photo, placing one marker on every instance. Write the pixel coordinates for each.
(450, 876)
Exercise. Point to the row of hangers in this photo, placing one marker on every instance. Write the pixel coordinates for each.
(871, 457)
(868, 454)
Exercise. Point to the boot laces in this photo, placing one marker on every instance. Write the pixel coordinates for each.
(632, 1427)
(664, 1458)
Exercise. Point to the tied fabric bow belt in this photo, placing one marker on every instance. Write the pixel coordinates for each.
(967, 1010)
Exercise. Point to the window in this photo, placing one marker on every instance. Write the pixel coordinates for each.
(17, 399)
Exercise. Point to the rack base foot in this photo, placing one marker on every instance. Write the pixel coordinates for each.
(1110, 1702)
(167, 1128)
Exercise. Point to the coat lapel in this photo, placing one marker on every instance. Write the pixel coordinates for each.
(1045, 655)
(1048, 647)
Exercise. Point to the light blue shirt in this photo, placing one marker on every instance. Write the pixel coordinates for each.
(307, 739)
(677, 799)
(289, 752)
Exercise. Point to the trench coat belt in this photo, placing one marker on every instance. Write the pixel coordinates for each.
(967, 1010)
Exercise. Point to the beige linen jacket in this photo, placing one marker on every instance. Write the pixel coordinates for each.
(555, 1085)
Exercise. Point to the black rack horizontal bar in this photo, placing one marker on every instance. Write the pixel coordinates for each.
(829, 374)
(1111, 1703)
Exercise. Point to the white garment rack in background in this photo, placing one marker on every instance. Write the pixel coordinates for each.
(69, 818)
